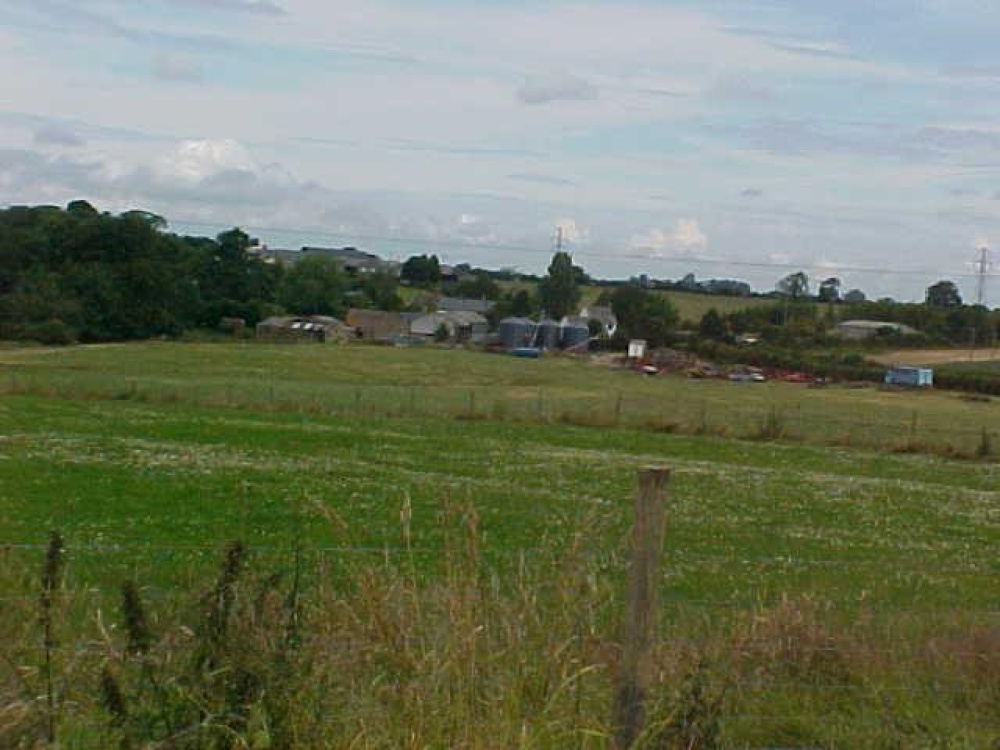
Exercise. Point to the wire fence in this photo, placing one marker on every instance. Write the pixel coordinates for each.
(780, 661)
(906, 425)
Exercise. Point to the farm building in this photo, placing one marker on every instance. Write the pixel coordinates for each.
(858, 330)
(375, 325)
(302, 328)
(355, 262)
(603, 315)
(461, 326)
(911, 377)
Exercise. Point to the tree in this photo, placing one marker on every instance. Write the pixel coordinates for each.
(943, 294)
(313, 286)
(794, 285)
(712, 326)
(479, 286)
(422, 270)
(643, 314)
(829, 290)
(855, 296)
(81, 209)
(154, 220)
(381, 290)
(559, 291)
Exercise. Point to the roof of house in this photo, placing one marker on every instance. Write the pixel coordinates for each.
(429, 323)
(349, 257)
(600, 313)
(875, 325)
(461, 304)
(340, 253)
(286, 321)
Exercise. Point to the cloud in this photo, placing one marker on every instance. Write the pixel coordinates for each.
(987, 72)
(751, 192)
(264, 7)
(686, 237)
(541, 179)
(177, 68)
(741, 89)
(794, 44)
(957, 138)
(53, 135)
(572, 232)
(555, 87)
(196, 160)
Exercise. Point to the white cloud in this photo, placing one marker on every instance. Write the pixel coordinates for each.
(555, 87)
(177, 68)
(52, 135)
(196, 160)
(572, 232)
(264, 7)
(686, 238)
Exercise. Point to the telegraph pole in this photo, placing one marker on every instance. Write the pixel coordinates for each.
(982, 268)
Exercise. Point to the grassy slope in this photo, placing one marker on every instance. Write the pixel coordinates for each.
(691, 306)
(179, 469)
(434, 382)
(194, 450)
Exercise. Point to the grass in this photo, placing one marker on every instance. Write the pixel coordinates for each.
(691, 306)
(454, 569)
(430, 383)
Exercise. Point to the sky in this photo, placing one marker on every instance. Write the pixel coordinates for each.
(746, 139)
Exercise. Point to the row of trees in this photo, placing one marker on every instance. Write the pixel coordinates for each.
(796, 286)
(799, 324)
(77, 274)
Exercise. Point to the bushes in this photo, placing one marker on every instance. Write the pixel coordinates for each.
(51, 332)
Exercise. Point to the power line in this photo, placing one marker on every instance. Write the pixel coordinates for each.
(581, 253)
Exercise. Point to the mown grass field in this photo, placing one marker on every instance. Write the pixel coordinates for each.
(841, 594)
(691, 306)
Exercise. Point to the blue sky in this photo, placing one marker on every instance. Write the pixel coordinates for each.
(733, 139)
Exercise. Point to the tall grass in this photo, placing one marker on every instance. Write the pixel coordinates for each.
(386, 658)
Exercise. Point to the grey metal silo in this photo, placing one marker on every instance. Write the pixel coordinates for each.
(547, 334)
(575, 335)
(516, 332)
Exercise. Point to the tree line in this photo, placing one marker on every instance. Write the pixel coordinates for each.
(75, 274)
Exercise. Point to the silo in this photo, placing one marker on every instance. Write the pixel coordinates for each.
(516, 332)
(547, 334)
(575, 336)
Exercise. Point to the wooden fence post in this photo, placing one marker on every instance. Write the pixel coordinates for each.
(641, 610)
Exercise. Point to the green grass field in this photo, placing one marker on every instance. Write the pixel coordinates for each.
(691, 306)
(841, 594)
